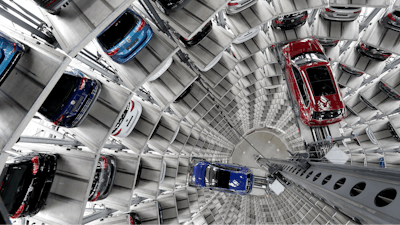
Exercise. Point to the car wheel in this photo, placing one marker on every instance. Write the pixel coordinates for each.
(161, 7)
(296, 109)
(57, 12)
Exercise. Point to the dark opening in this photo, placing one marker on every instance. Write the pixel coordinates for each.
(357, 189)
(339, 183)
(116, 32)
(327, 179)
(309, 174)
(316, 177)
(302, 173)
(385, 197)
(298, 171)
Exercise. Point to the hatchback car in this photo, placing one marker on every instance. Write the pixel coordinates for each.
(290, 21)
(134, 218)
(235, 6)
(104, 177)
(52, 6)
(391, 19)
(339, 13)
(71, 99)
(328, 43)
(170, 6)
(26, 182)
(393, 131)
(351, 71)
(316, 96)
(128, 119)
(223, 177)
(372, 53)
(124, 38)
(10, 53)
(389, 89)
(198, 37)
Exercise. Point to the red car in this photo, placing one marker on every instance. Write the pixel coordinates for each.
(316, 95)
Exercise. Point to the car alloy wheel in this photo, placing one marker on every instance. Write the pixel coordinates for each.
(160, 7)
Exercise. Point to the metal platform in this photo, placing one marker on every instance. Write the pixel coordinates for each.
(347, 79)
(333, 53)
(193, 17)
(171, 84)
(353, 59)
(284, 7)
(329, 29)
(170, 174)
(181, 138)
(361, 3)
(182, 170)
(182, 201)
(82, 21)
(356, 105)
(251, 64)
(27, 86)
(146, 63)
(256, 15)
(190, 101)
(380, 37)
(148, 212)
(169, 208)
(382, 134)
(285, 36)
(222, 69)
(225, 85)
(248, 48)
(149, 177)
(201, 110)
(208, 51)
(166, 133)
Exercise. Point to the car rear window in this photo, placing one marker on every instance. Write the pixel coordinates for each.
(16, 186)
(117, 31)
(59, 95)
(321, 81)
(396, 13)
(338, 7)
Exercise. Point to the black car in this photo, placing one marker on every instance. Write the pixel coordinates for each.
(198, 37)
(26, 183)
(328, 43)
(351, 71)
(169, 6)
(290, 21)
(186, 92)
(393, 132)
(373, 53)
(134, 218)
(391, 93)
(104, 178)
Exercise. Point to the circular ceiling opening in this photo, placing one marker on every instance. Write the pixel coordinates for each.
(385, 197)
(339, 183)
(357, 189)
(327, 179)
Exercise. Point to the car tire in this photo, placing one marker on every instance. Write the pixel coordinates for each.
(161, 8)
(56, 12)
(296, 109)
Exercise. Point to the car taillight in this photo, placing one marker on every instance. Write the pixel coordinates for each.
(35, 161)
(105, 161)
(336, 41)
(189, 39)
(113, 52)
(58, 121)
(343, 65)
(328, 10)
(234, 55)
(1, 185)
(232, 4)
(15, 47)
(141, 26)
(19, 211)
(363, 46)
(50, 3)
(131, 220)
(391, 17)
(97, 196)
(83, 83)
(360, 72)
(278, 22)
(384, 84)
(133, 105)
(304, 17)
(386, 55)
(117, 132)
(358, 11)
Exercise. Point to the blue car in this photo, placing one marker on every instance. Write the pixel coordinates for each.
(11, 51)
(71, 99)
(223, 177)
(125, 37)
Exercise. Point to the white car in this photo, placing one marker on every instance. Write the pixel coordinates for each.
(247, 36)
(128, 119)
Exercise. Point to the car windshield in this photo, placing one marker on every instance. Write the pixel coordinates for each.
(215, 177)
(17, 184)
(59, 95)
(117, 31)
(321, 81)
(309, 57)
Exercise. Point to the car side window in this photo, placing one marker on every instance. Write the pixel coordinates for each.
(226, 167)
(301, 85)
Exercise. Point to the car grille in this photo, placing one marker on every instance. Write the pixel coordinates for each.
(367, 103)
(327, 115)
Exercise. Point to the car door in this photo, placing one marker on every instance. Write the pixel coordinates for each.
(302, 93)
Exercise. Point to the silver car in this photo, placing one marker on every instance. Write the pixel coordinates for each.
(339, 13)
(391, 19)
(236, 6)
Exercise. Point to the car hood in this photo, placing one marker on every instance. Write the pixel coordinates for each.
(199, 171)
(237, 181)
